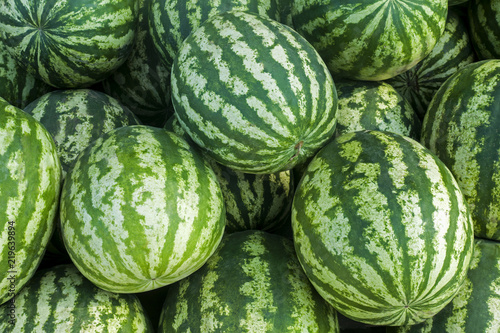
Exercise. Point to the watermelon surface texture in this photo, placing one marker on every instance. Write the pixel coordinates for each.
(452, 51)
(253, 93)
(142, 83)
(69, 43)
(476, 308)
(140, 209)
(76, 117)
(252, 283)
(171, 21)
(17, 86)
(61, 299)
(382, 228)
(370, 40)
(366, 105)
(30, 181)
(461, 127)
(484, 21)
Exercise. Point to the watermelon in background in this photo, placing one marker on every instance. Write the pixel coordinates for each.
(253, 93)
(252, 283)
(142, 83)
(382, 229)
(61, 299)
(453, 51)
(69, 43)
(140, 209)
(462, 128)
(253, 201)
(17, 86)
(171, 21)
(76, 117)
(484, 20)
(476, 307)
(365, 105)
(30, 181)
(370, 40)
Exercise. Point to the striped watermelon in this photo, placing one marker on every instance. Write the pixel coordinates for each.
(461, 127)
(382, 229)
(253, 283)
(366, 105)
(452, 51)
(142, 83)
(253, 201)
(30, 180)
(476, 308)
(61, 299)
(140, 209)
(76, 117)
(17, 86)
(484, 21)
(69, 43)
(370, 40)
(253, 93)
(171, 21)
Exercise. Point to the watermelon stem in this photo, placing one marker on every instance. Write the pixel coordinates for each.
(297, 147)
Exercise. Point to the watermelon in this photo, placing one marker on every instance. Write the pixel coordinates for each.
(253, 93)
(461, 127)
(484, 21)
(366, 105)
(30, 181)
(69, 43)
(452, 51)
(253, 201)
(476, 308)
(370, 40)
(142, 83)
(171, 21)
(17, 86)
(61, 299)
(140, 209)
(382, 228)
(76, 117)
(253, 283)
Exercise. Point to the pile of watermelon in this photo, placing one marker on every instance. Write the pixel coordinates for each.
(250, 166)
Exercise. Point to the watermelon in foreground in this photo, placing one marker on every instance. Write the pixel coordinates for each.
(61, 299)
(140, 209)
(30, 181)
(253, 93)
(382, 229)
(252, 283)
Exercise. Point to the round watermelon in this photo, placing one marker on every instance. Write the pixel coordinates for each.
(461, 127)
(61, 299)
(382, 228)
(76, 117)
(252, 283)
(140, 209)
(253, 93)
(366, 105)
(370, 40)
(69, 43)
(30, 182)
